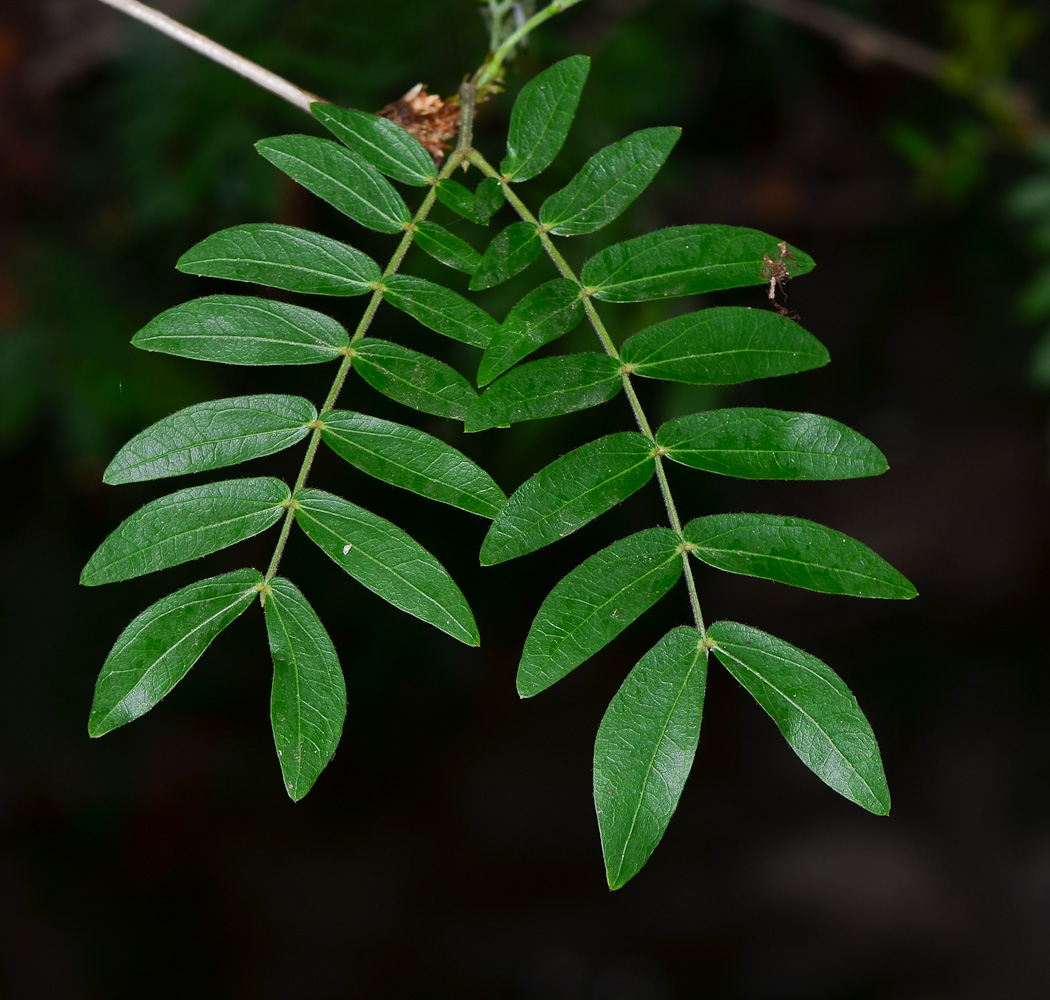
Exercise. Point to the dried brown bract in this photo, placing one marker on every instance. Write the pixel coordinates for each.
(775, 269)
(429, 118)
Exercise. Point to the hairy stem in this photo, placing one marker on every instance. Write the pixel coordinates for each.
(216, 52)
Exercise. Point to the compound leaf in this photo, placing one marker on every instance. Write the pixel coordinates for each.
(187, 525)
(454, 195)
(344, 180)
(568, 493)
(546, 388)
(282, 257)
(440, 309)
(595, 602)
(812, 707)
(383, 558)
(414, 379)
(512, 250)
(687, 260)
(794, 551)
(541, 118)
(157, 649)
(412, 460)
(644, 750)
(392, 150)
(447, 248)
(723, 346)
(488, 199)
(756, 443)
(608, 182)
(212, 435)
(308, 697)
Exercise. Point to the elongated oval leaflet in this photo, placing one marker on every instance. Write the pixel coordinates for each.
(440, 309)
(512, 250)
(282, 257)
(569, 493)
(488, 200)
(243, 330)
(383, 558)
(794, 551)
(414, 379)
(644, 750)
(608, 182)
(546, 388)
(545, 314)
(723, 346)
(812, 707)
(187, 525)
(158, 648)
(392, 150)
(412, 460)
(212, 435)
(756, 443)
(454, 195)
(345, 181)
(687, 260)
(308, 696)
(594, 603)
(446, 247)
(542, 116)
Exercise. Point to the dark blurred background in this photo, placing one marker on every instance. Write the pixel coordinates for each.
(450, 850)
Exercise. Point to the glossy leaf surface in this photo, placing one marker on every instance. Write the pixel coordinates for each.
(308, 696)
(440, 309)
(212, 435)
(454, 195)
(412, 460)
(157, 649)
(644, 750)
(723, 346)
(511, 251)
(686, 260)
(344, 180)
(488, 199)
(384, 144)
(794, 551)
(447, 247)
(608, 182)
(186, 525)
(243, 330)
(383, 558)
(812, 707)
(756, 443)
(545, 314)
(546, 388)
(568, 493)
(594, 603)
(541, 117)
(414, 379)
(282, 257)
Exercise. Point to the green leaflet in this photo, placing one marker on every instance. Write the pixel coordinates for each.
(794, 551)
(454, 195)
(568, 493)
(447, 248)
(242, 330)
(755, 443)
(383, 558)
(412, 460)
(388, 147)
(546, 388)
(440, 309)
(723, 346)
(608, 182)
(686, 260)
(282, 257)
(345, 181)
(811, 706)
(413, 379)
(157, 649)
(545, 314)
(542, 116)
(511, 251)
(644, 750)
(186, 525)
(212, 435)
(488, 200)
(595, 602)
(308, 697)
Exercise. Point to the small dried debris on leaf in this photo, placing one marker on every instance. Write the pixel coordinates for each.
(429, 118)
(775, 270)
